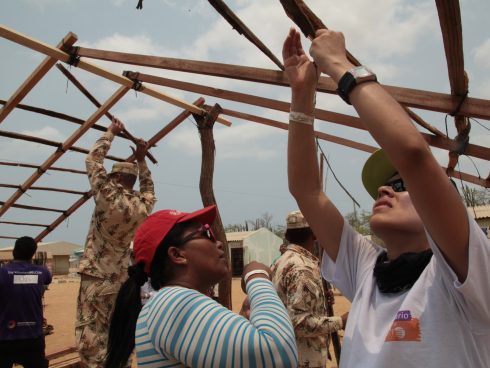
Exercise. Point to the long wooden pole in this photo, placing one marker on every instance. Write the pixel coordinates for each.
(60, 55)
(242, 29)
(433, 101)
(34, 78)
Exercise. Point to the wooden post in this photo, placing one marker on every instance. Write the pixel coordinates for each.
(205, 125)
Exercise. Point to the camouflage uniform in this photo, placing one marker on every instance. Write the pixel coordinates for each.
(296, 277)
(117, 214)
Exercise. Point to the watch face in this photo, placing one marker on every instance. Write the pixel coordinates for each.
(361, 72)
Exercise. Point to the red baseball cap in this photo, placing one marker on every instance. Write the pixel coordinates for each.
(156, 227)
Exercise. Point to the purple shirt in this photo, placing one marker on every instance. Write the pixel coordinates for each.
(21, 289)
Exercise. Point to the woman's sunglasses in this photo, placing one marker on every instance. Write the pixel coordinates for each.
(202, 232)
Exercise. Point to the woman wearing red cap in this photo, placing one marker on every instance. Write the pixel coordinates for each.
(182, 326)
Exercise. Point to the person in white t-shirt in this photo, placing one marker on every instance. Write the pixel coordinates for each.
(424, 300)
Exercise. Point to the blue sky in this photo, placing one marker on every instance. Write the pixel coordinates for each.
(400, 40)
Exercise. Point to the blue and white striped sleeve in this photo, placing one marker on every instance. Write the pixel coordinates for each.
(187, 327)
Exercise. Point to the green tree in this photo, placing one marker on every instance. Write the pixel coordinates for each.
(359, 221)
(475, 196)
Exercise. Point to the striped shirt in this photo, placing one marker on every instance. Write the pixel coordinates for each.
(181, 327)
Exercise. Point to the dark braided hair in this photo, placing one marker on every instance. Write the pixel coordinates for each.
(128, 303)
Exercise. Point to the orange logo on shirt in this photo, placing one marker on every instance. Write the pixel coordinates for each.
(404, 328)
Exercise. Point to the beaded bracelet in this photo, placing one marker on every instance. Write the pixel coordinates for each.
(300, 117)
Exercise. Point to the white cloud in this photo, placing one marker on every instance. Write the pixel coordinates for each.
(236, 142)
(482, 54)
(46, 133)
(23, 151)
(137, 44)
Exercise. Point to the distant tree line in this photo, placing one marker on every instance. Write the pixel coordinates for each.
(358, 219)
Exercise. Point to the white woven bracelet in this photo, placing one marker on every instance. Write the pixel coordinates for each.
(300, 117)
(255, 272)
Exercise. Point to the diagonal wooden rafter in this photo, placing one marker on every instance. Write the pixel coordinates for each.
(346, 120)
(152, 141)
(92, 99)
(432, 101)
(242, 29)
(65, 146)
(47, 142)
(452, 35)
(34, 78)
(60, 55)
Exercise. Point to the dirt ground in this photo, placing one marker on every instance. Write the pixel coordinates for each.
(60, 306)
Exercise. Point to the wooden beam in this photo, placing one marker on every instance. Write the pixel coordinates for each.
(242, 29)
(32, 208)
(342, 119)
(152, 141)
(452, 35)
(31, 166)
(47, 142)
(48, 189)
(64, 147)
(432, 101)
(34, 78)
(22, 223)
(60, 55)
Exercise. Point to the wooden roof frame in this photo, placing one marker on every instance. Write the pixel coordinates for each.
(456, 103)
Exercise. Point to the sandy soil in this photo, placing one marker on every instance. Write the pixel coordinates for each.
(60, 307)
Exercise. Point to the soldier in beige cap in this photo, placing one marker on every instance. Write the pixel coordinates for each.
(296, 277)
(119, 210)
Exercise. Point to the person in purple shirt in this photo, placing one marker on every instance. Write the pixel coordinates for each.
(22, 285)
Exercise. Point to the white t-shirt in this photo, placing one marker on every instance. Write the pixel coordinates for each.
(439, 322)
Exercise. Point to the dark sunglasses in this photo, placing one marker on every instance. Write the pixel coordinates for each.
(203, 232)
(397, 185)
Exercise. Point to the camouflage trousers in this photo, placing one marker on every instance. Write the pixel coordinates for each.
(96, 300)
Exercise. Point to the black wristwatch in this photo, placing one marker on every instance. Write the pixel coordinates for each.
(352, 78)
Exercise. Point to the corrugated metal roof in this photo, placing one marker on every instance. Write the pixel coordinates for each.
(479, 212)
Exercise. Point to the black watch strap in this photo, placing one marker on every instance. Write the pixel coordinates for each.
(345, 86)
(352, 78)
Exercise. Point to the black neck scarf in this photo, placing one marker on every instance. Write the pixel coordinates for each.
(401, 273)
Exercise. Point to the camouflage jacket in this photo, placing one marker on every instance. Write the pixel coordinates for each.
(118, 213)
(296, 277)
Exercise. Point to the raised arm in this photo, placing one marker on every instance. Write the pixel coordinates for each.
(303, 173)
(94, 161)
(213, 336)
(146, 183)
(436, 201)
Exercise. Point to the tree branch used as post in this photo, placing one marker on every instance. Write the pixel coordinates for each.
(205, 125)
